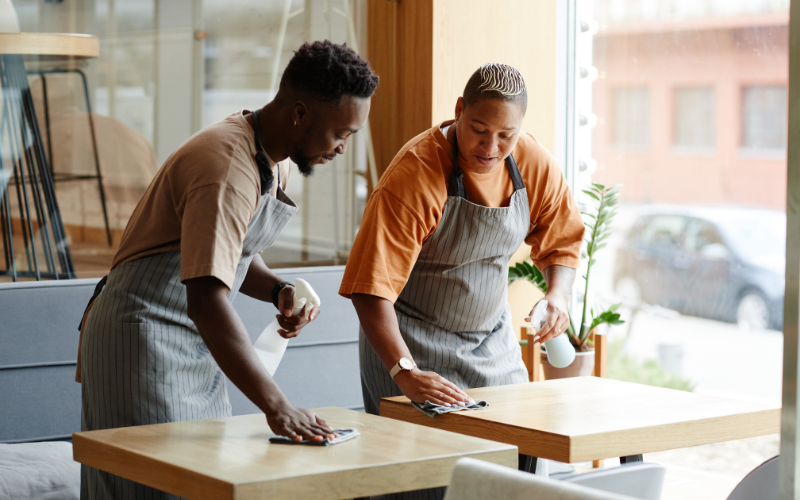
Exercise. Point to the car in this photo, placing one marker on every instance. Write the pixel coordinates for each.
(724, 263)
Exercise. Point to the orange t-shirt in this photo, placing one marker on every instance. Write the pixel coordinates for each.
(407, 205)
(200, 202)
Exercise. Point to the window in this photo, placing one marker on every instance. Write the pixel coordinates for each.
(631, 117)
(764, 117)
(700, 234)
(702, 76)
(694, 117)
(662, 231)
(165, 71)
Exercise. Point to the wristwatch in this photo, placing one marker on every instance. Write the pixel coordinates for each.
(406, 364)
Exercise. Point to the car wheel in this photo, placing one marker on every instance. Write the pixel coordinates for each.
(752, 313)
(629, 291)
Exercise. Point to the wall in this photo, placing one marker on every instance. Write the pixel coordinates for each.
(425, 50)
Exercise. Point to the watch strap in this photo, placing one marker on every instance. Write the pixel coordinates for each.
(276, 290)
(397, 368)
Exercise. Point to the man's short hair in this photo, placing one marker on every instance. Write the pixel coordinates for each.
(328, 71)
(496, 81)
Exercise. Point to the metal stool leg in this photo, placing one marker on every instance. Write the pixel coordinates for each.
(33, 183)
(98, 175)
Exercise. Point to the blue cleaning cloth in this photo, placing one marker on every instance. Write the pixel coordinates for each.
(344, 435)
(432, 409)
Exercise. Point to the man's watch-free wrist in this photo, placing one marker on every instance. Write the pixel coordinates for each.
(406, 364)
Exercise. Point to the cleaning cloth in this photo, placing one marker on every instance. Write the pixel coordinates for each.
(344, 435)
(432, 409)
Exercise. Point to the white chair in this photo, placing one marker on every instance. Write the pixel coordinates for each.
(478, 480)
(8, 17)
(761, 483)
(643, 481)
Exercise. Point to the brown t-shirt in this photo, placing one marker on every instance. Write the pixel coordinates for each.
(407, 205)
(200, 202)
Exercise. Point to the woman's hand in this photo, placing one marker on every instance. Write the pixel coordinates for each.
(556, 321)
(298, 424)
(292, 324)
(420, 386)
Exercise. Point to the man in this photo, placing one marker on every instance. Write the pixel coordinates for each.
(160, 335)
(429, 268)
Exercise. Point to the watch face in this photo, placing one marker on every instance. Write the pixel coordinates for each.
(406, 363)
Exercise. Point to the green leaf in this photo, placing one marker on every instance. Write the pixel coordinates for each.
(591, 194)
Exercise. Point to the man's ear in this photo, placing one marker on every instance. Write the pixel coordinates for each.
(300, 112)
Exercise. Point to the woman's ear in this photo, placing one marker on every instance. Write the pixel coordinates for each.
(459, 107)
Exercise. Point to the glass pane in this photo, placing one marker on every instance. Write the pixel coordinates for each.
(694, 117)
(165, 70)
(696, 251)
(631, 117)
(764, 114)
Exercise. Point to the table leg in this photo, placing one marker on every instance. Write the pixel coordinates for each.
(631, 459)
(527, 463)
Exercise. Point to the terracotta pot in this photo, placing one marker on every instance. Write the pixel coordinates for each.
(583, 366)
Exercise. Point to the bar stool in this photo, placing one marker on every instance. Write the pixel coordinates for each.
(28, 206)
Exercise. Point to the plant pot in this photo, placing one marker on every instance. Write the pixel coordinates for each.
(583, 366)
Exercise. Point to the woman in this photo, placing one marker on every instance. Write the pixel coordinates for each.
(428, 270)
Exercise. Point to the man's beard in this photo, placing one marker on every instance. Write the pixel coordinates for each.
(303, 163)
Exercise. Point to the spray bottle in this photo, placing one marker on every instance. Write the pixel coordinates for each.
(270, 346)
(560, 352)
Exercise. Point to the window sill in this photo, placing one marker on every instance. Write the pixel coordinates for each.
(692, 151)
(762, 153)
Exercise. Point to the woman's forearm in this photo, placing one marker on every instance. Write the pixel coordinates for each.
(379, 322)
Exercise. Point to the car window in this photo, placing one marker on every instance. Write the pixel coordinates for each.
(700, 234)
(662, 230)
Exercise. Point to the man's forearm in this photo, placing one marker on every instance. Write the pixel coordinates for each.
(259, 280)
(559, 281)
(379, 322)
(228, 341)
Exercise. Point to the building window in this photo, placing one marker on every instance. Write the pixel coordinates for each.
(764, 117)
(694, 117)
(631, 117)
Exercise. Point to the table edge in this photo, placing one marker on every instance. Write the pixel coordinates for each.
(50, 44)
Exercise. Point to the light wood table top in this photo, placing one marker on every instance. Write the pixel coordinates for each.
(50, 44)
(588, 418)
(231, 458)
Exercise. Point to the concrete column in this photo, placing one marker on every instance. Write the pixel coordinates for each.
(177, 102)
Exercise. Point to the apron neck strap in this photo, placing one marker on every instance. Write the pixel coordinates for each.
(456, 184)
(262, 160)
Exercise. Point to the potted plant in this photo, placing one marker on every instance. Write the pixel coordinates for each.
(597, 218)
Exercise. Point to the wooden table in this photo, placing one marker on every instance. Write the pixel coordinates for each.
(231, 458)
(587, 418)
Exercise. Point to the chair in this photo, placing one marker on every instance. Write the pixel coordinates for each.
(643, 481)
(8, 17)
(478, 480)
(761, 483)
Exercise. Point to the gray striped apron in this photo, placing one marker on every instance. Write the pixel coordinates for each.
(144, 362)
(453, 312)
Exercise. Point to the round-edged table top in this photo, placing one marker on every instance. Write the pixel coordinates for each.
(50, 44)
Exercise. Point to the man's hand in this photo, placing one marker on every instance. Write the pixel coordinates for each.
(298, 424)
(559, 281)
(420, 386)
(292, 324)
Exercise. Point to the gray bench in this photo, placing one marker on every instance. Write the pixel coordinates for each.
(39, 399)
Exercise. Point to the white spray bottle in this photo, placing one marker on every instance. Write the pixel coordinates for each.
(270, 346)
(560, 352)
